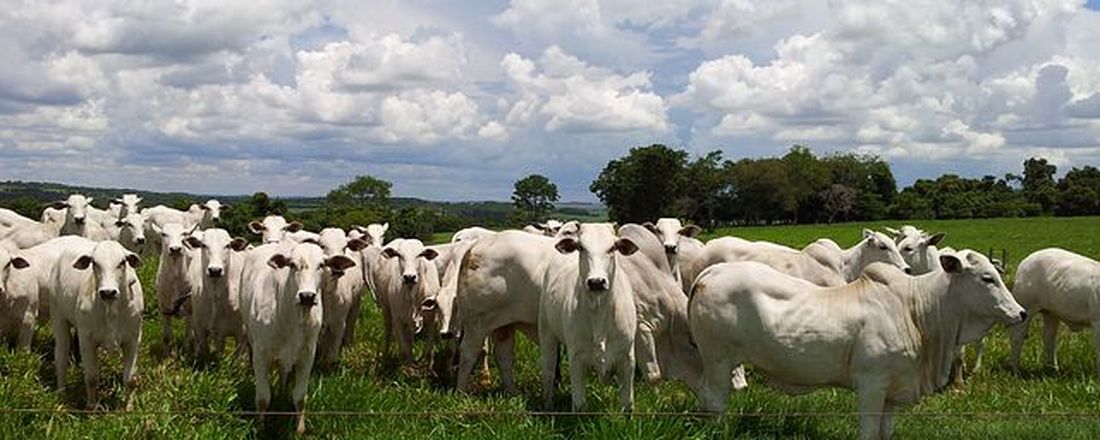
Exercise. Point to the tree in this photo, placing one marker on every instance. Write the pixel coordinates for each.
(838, 200)
(533, 199)
(1038, 182)
(810, 178)
(362, 191)
(763, 190)
(1079, 192)
(706, 189)
(642, 186)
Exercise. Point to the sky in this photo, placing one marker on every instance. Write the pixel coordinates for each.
(455, 100)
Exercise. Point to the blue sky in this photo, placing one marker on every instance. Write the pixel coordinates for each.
(455, 101)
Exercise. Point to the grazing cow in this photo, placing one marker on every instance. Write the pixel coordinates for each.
(175, 279)
(340, 295)
(215, 296)
(890, 336)
(280, 305)
(99, 295)
(822, 262)
(1063, 287)
(588, 305)
(675, 236)
(471, 234)
(918, 248)
(499, 284)
(18, 232)
(405, 278)
(18, 308)
(273, 228)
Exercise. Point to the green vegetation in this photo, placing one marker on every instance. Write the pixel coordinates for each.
(178, 400)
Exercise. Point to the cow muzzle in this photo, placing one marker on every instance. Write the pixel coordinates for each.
(215, 272)
(307, 299)
(175, 250)
(409, 278)
(78, 220)
(108, 294)
(670, 248)
(139, 240)
(597, 284)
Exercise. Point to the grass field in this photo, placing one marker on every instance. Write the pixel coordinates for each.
(178, 400)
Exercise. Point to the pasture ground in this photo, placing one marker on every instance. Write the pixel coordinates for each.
(179, 400)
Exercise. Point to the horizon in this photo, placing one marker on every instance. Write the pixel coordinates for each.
(455, 102)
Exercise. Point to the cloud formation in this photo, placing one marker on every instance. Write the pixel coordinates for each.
(456, 101)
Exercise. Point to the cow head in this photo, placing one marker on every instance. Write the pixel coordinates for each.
(273, 228)
(8, 263)
(374, 234)
(213, 209)
(112, 269)
(977, 286)
(878, 247)
(597, 245)
(409, 253)
(307, 263)
(549, 228)
(214, 248)
(75, 206)
(334, 241)
(171, 238)
(915, 247)
(135, 225)
(669, 230)
(129, 203)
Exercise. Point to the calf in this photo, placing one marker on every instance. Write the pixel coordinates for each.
(215, 296)
(891, 337)
(175, 279)
(405, 277)
(273, 228)
(99, 295)
(18, 308)
(1063, 287)
(589, 306)
(341, 295)
(282, 311)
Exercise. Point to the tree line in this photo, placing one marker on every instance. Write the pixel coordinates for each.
(801, 187)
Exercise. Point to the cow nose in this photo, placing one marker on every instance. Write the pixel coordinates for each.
(597, 284)
(307, 298)
(409, 278)
(1023, 316)
(139, 240)
(908, 271)
(215, 271)
(670, 249)
(79, 220)
(108, 294)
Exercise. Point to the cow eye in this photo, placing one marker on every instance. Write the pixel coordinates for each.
(882, 247)
(908, 249)
(989, 279)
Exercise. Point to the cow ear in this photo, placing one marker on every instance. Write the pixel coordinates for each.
(652, 227)
(339, 262)
(278, 261)
(294, 226)
(361, 229)
(256, 227)
(935, 239)
(133, 260)
(429, 254)
(951, 264)
(867, 233)
(90, 199)
(567, 245)
(20, 263)
(204, 207)
(385, 227)
(83, 262)
(626, 246)
(60, 204)
(193, 242)
(690, 231)
(155, 228)
(892, 231)
(389, 253)
(357, 244)
(238, 244)
(227, 206)
(115, 202)
(120, 223)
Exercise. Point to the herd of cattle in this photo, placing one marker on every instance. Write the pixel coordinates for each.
(886, 317)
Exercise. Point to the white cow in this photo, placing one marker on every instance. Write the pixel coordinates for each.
(99, 295)
(374, 234)
(128, 204)
(1063, 287)
(215, 295)
(280, 305)
(78, 221)
(405, 277)
(273, 228)
(53, 217)
(587, 304)
(341, 293)
(499, 284)
(18, 309)
(889, 336)
(175, 276)
(550, 228)
(37, 283)
(18, 232)
(918, 248)
(471, 234)
(209, 214)
(675, 237)
(129, 230)
(822, 262)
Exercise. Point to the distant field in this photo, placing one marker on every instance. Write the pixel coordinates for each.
(176, 400)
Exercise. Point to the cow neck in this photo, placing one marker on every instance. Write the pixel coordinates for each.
(936, 315)
(851, 261)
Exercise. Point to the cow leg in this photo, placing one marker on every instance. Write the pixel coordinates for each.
(433, 334)
(645, 347)
(26, 329)
(548, 364)
(62, 345)
(387, 330)
(333, 342)
(504, 350)
(626, 382)
(130, 351)
(717, 383)
(958, 367)
(1096, 343)
(301, 386)
(1050, 340)
(470, 350)
(262, 383)
(351, 321)
(166, 334)
(871, 394)
(886, 425)
(1019, 335)
(89, 362)
(577, 369)
(405, 342)
(979, 350)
